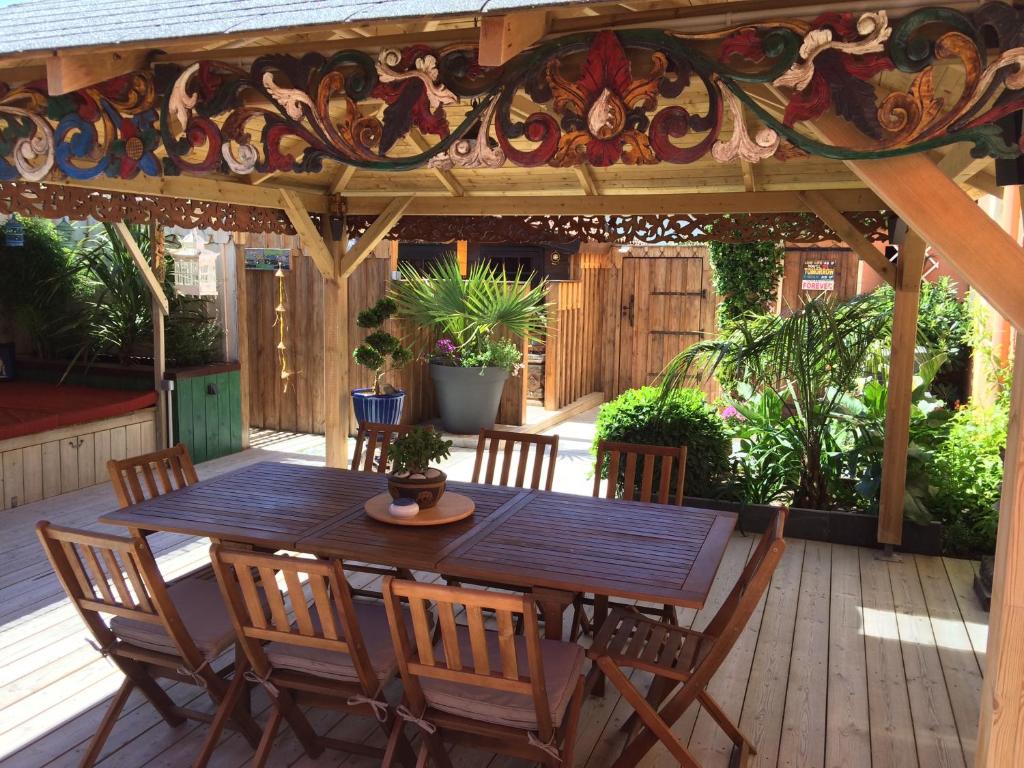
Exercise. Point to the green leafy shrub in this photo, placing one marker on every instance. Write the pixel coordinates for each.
(42, 290)
(683, 417)
(746, 276)
(190, 337)
(414, 451)
(967, 473)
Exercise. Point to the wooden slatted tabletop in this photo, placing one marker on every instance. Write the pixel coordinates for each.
(533, 539)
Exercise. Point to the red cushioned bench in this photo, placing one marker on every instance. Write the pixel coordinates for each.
(28, 407)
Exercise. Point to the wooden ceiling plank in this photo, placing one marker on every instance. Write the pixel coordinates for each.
(849, 234)
(503, 36)
(152, 282)
(373, 235)
(67, 72)
(312, 243)
(959, 165)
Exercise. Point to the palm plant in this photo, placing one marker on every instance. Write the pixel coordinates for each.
(472, 310)
(811, 358)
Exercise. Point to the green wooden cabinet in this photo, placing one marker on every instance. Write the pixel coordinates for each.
(207, 410)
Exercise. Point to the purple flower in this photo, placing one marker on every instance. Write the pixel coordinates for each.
(730, 412)
(445, 348)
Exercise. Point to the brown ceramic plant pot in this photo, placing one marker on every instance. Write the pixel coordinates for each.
(425, 491)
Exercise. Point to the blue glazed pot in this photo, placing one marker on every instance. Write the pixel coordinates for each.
(378, 409)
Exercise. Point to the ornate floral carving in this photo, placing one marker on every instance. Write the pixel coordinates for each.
(598, 98)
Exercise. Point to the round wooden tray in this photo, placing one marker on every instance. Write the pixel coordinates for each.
(450, 509)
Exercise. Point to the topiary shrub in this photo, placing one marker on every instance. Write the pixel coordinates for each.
(682, 417)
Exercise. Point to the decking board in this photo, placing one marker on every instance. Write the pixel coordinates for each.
(815, 679)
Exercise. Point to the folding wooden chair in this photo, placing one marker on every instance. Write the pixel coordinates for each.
(152, 474)
(647, 473)
(157, 630)
(373, 443)
(683, 658)
(335, 653)
(518, 695)
(628, 462)
(495, 442)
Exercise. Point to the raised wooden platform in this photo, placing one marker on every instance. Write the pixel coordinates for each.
(851, 661)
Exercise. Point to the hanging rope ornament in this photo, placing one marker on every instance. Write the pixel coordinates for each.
(279, 323)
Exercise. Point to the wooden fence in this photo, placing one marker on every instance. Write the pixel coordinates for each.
(300, 408)
(574, 363)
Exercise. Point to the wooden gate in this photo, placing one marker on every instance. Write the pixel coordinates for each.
(666, 304)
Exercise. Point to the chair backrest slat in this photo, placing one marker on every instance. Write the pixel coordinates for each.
(650, 473)
(495, 443)
(134, 479)
(489, 665)
(282, 584)
(373, 445)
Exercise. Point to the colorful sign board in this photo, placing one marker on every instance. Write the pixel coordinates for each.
(818, 275)
(268, 258)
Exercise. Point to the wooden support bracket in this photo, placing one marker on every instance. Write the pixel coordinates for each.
(66, 73)
(147, 271)
(312, 243)
(503, 36)
(373, 235)
(849, 234)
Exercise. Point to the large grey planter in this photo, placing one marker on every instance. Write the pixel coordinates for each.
(468, 398)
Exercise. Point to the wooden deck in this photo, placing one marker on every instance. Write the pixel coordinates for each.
(850, 662)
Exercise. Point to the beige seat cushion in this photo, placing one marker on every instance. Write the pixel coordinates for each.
(563, 665)
(373, 624)
(202, 610)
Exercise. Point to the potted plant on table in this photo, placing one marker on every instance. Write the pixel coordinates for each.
(381, 403)
(411, 476)
(474, 316)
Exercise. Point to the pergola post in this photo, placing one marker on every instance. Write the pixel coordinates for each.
(337, 413)
(1000, 735)
(164, 435)
(242, 329)
(909, 268)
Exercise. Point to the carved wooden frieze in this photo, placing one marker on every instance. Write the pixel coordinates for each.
(631, 96)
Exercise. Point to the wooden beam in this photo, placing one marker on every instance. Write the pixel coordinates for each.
(585, 175)
(312, 243)
(67, 72)
(373, 235)
(622, 205)
(155, 288)
(446, 177)
(342, 179)
(909, 269)
(849, 234)
(1000, 735)
(242, 328)
(337, 418)
(164, 436)
(504, 36)
(933, 206)
(959, 165)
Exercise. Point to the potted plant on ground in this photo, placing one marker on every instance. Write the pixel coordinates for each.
(381, 403)
(474, 316)
(411, 476)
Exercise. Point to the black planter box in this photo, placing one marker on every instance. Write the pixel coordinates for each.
(851, 528)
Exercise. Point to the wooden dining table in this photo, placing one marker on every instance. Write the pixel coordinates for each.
(555, 545)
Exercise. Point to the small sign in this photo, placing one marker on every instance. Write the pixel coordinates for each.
(819, 275)
(268, 258)
(14, 232)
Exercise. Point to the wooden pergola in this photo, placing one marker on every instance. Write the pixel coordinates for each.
(336, 126)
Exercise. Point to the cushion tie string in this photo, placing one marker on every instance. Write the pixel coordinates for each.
(197, 679)
(549, 747)
(406, 714)
(380, 708)
(252, 677)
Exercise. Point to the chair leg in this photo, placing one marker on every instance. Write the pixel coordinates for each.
(572, 721)
(285, 705)
(735, 734)
(397, 745)
(267, 742)
(660, 688)
(423, 756)
(103, 732)
(435, 747)
(396, 736)
(657, 729)
(600, 616)
(151, 689)
(225, 708)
